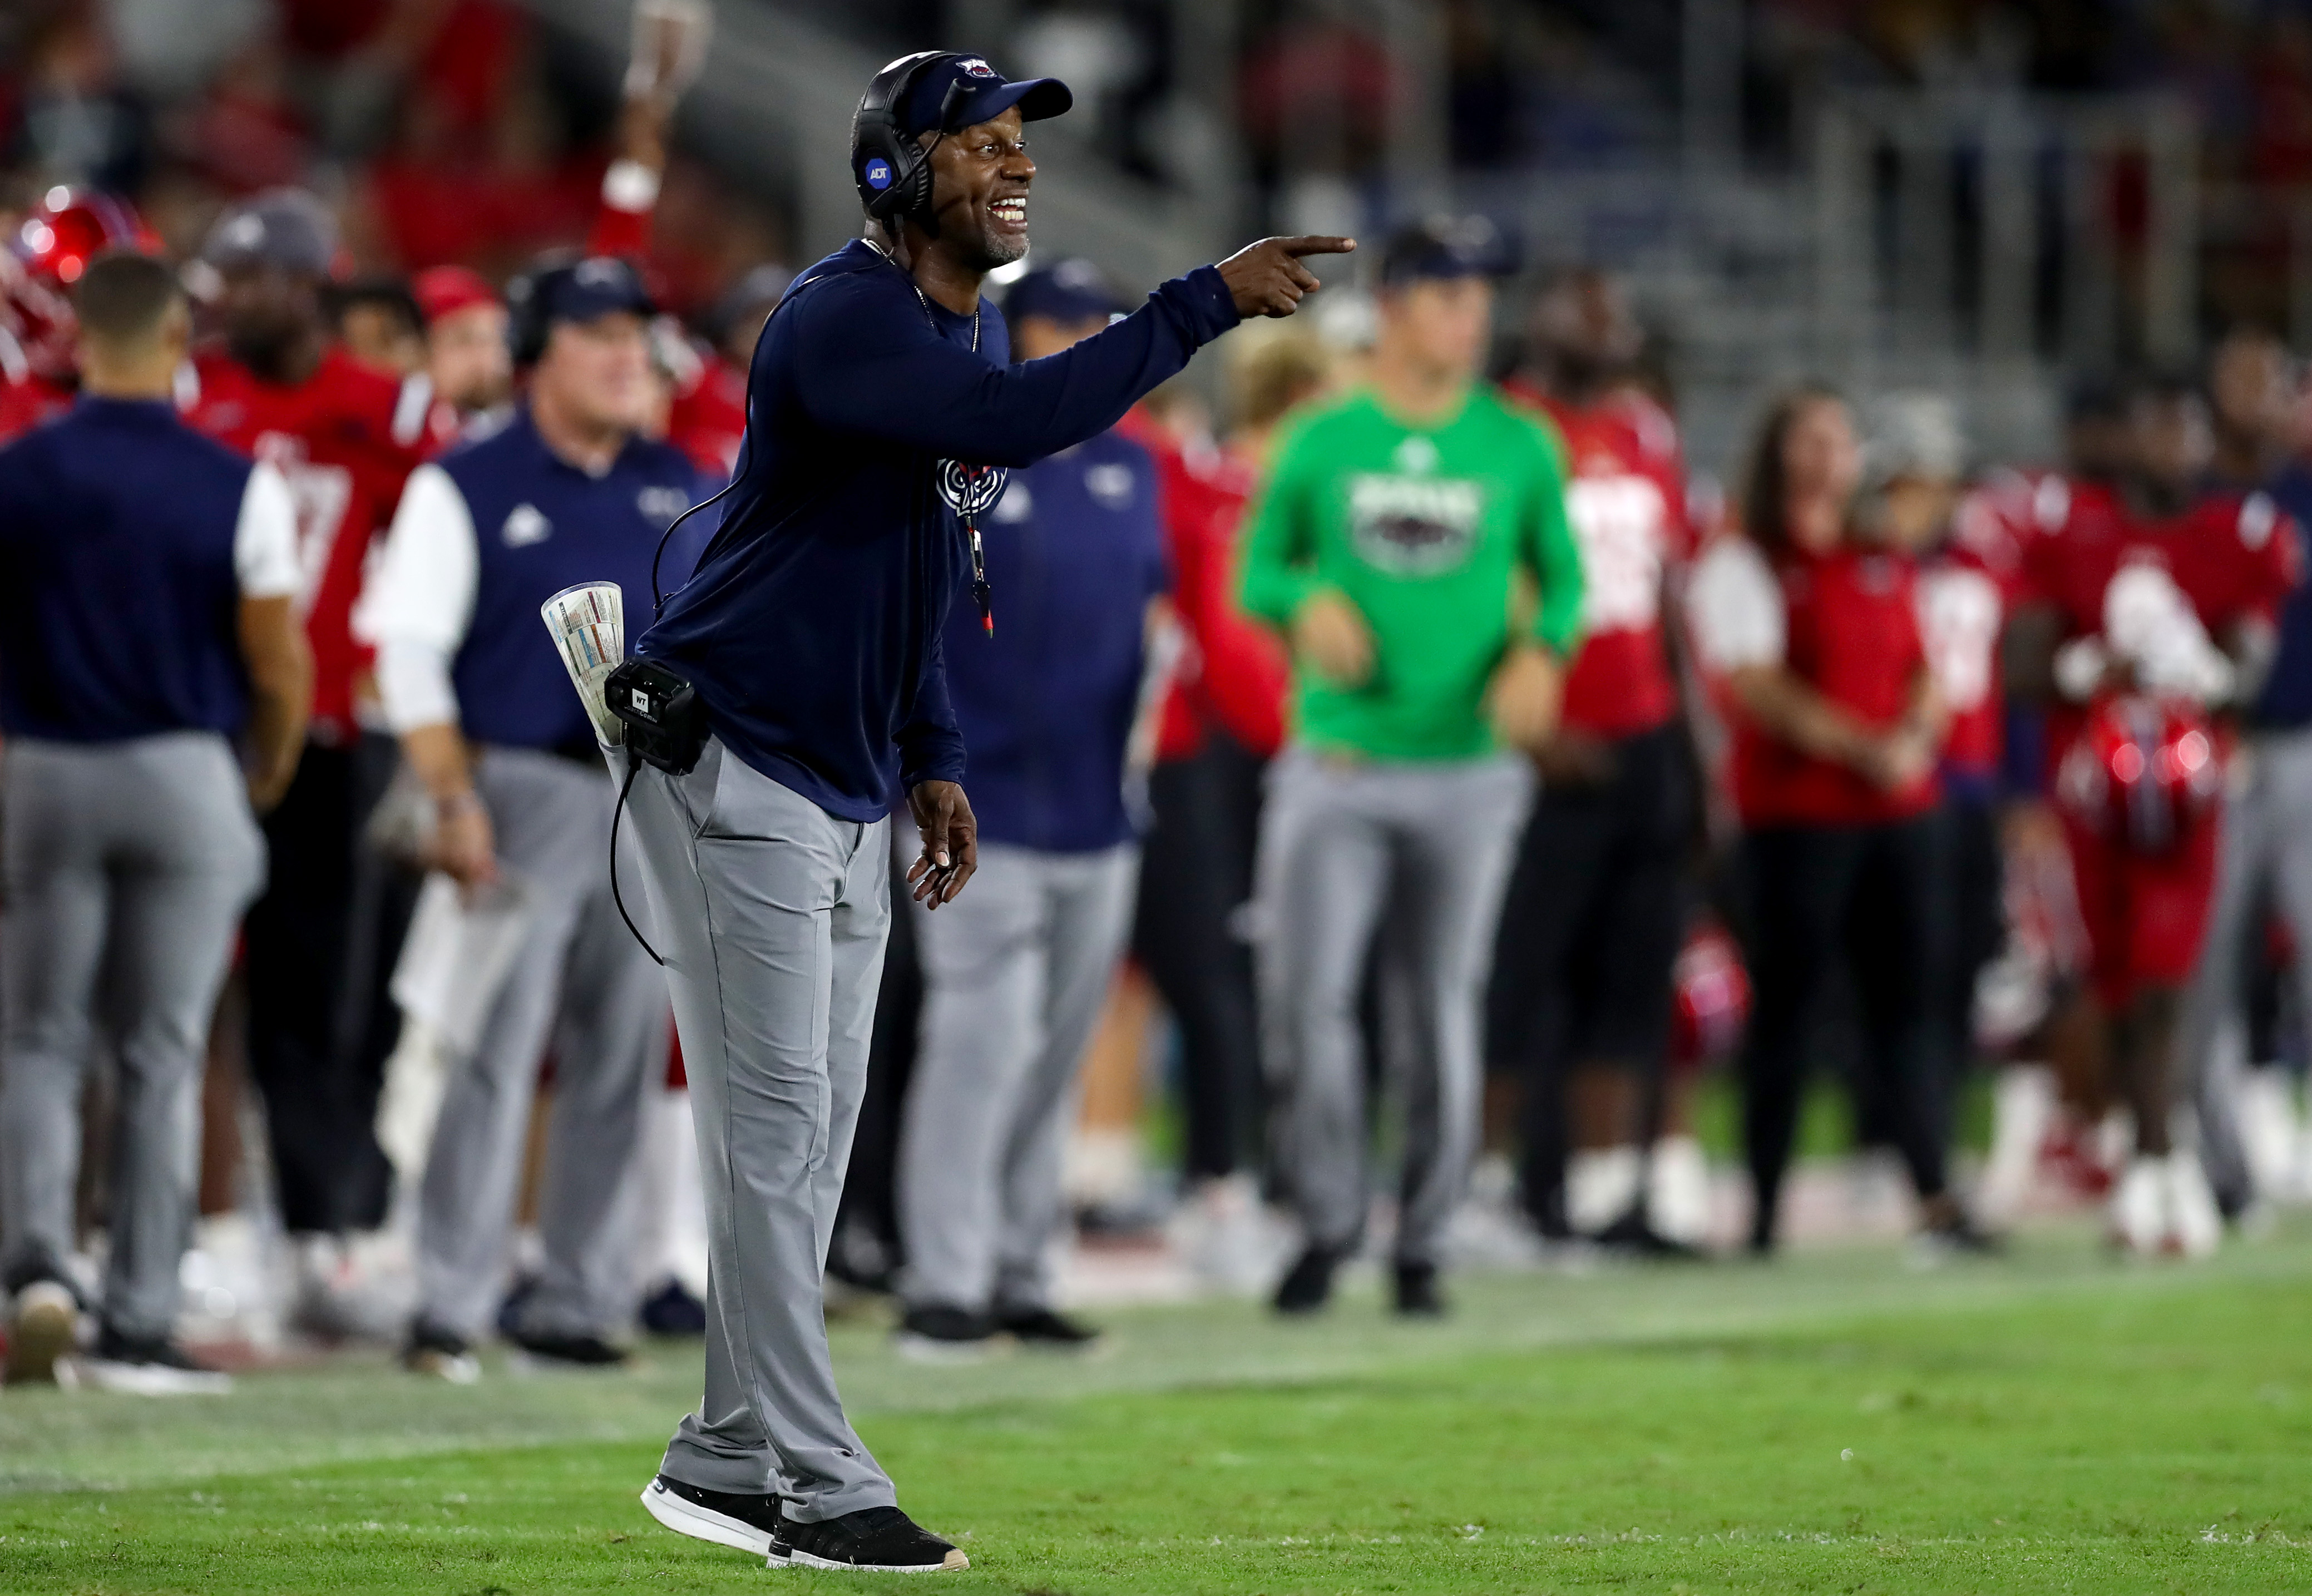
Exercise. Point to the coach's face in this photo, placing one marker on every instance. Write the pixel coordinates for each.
(979, 191)
(597, 372)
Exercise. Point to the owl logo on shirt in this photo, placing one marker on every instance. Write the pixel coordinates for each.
(1415, 526)
(970, 491)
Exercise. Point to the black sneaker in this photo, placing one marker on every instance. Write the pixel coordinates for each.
(148, 1367)
(1958, 1237)
(1417, 1296)
(726, 1518)
(440, 1354)
(942, 1333)
(1633, 1236)
(574, 1352)
(1307, 1284)
(672, 1310)
(1041, 1326)
(876, 1540)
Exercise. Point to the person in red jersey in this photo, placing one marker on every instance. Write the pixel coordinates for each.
(467, 356)
(1221, 721)
(1597, 910)
(1814, 631)
(2137, 636)
(50, 249)
(345, 438)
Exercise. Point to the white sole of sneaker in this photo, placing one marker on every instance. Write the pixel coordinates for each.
(956, 1561)
(44, 1332)
(148, 1380)
(703, 1523)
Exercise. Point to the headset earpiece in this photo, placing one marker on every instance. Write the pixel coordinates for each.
(892, 171)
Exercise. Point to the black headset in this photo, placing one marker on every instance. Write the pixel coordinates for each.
(894, 173)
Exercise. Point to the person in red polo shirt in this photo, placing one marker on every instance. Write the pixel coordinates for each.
(2138, 637)
(1836, 727)
(345, 438)
(1595, 912)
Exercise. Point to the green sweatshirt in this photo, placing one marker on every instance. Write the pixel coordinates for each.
(1424, 528)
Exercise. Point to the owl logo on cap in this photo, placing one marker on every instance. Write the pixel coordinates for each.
(976, 68)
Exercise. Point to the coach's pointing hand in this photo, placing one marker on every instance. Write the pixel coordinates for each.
(950, 842)
(1267, 278)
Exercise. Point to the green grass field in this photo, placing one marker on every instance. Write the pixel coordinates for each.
(2050, 1421)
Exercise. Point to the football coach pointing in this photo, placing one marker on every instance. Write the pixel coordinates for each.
(882, 412)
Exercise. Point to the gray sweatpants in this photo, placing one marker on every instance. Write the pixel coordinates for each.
(583, 986)
(1418, 853)
(2265, 857)
(127, 865)
(1015, 971)
(772, 915)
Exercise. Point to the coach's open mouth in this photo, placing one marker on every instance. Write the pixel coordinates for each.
(1010, 213)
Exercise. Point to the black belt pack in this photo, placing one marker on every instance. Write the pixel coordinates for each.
(664, 718)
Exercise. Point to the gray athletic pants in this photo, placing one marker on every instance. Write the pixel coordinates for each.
(127, 865)
(771, 917)
(2265, 857)
(583, 986)
(1015, 971)
(1421, 853)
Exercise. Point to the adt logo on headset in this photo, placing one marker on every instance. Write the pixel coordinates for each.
(878, 172)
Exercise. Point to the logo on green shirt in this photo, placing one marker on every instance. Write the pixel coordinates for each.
(1415, 526)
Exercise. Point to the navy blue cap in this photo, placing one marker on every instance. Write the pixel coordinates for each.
(1447, 247)
(594, 287)
(981, 93)
(1069, 291)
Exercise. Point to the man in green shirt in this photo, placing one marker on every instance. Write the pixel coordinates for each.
(1412, 545)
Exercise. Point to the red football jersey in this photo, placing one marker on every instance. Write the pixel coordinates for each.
(2231, 556)
(29, 400)
(346, 438)
(1852, 626)
(1233, 676)
(1625, 499)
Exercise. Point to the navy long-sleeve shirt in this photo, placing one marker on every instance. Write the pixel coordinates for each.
(813, 625)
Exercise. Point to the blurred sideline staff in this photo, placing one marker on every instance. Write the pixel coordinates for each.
(148, 580)
(1221, 721)
(320, 1023)
(2265, 857)
(1597, 903)
(1815, 633)
(1387, 544)
(1016, 972)
(565, 494)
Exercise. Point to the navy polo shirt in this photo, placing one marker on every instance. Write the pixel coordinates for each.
(119, 605)
(813, 629)
(1075, 550)
(542, 524)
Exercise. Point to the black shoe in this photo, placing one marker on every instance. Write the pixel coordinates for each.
(578, 1352)
(672, 1310)
(877, 1540)
(942, 1333)
(750, 1523)
(1307, 1284)
(1954, 1237)
(1633, 1236)
(1041, 1326)
(148, 1367)
(1417, 1296)
(440, 1354)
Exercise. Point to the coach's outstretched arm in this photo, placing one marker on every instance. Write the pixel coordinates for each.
(862, 368)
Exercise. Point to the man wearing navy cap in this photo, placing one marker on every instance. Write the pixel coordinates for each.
(1015, 974)
(883, 412)
(567, 492)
